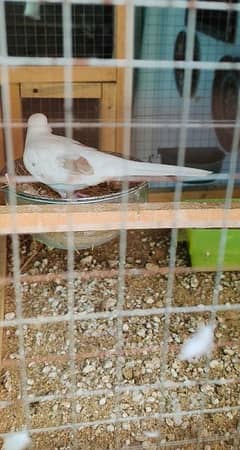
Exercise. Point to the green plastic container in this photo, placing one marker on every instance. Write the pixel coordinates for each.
(203, 245)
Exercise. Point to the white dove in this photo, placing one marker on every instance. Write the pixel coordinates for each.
(67, 165)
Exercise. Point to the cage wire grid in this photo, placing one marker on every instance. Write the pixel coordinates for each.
(129, 63)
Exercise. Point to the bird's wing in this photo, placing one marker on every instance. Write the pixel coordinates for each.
(69, 154)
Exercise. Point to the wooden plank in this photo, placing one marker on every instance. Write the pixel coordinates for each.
(16, 116)
(120, 21)
(53, 218)
(2, 147)
(50, 74)
(3, 265)
(56, 90)
(108, 114)
(195, 194)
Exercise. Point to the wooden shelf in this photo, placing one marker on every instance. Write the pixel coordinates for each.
(54, 218)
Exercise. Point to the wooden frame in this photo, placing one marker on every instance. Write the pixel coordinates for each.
(23, 79)
(105, 92)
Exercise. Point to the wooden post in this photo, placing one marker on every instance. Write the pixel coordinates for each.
(16, 116)
(120, 53)
(2, 149)
(108, 114)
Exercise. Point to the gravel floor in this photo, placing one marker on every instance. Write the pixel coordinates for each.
(207, 385)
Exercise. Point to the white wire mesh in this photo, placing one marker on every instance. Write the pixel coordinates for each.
(165, 384)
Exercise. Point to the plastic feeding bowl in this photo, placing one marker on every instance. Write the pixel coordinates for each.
(37, 193)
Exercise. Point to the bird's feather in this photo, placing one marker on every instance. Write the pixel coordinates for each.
(78, 166)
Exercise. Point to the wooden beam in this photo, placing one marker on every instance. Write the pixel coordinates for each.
(56, 90)
(3, 265)
(54, 218)
(193, 194)
(51, 74)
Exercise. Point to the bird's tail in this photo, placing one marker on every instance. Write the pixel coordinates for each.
(152, 169)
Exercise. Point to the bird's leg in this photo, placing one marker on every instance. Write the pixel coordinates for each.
(63, 194)
(78, 194)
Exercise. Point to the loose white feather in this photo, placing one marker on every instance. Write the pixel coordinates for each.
(199, 344)
(17, 441)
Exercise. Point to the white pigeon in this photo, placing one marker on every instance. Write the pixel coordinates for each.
(67, 165)
(199, 344)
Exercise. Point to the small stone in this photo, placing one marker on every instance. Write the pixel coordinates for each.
(110, 428)
(125, 327)
(141, 332)
(86, 261)
(127, 373)
(87, 369)
(149, 300)
(66, 405)
(237, 284)
(30, 382)
(112, 263)
(78, 408)
(53, 374)
(174, 373)
(156, 319)
(10, 316)
(46, 370)
(194, 282)
(151, 399)
(137, 396)
(102, 401)
(228, 351)
(177, 420)
(107, 364)
(151, 266)
(214, 363)
(39, 335)
(109, 303)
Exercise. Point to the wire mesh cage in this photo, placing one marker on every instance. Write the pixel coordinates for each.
(134, 343)
(92, 30)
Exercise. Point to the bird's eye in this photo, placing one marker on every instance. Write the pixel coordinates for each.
(33, 164)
